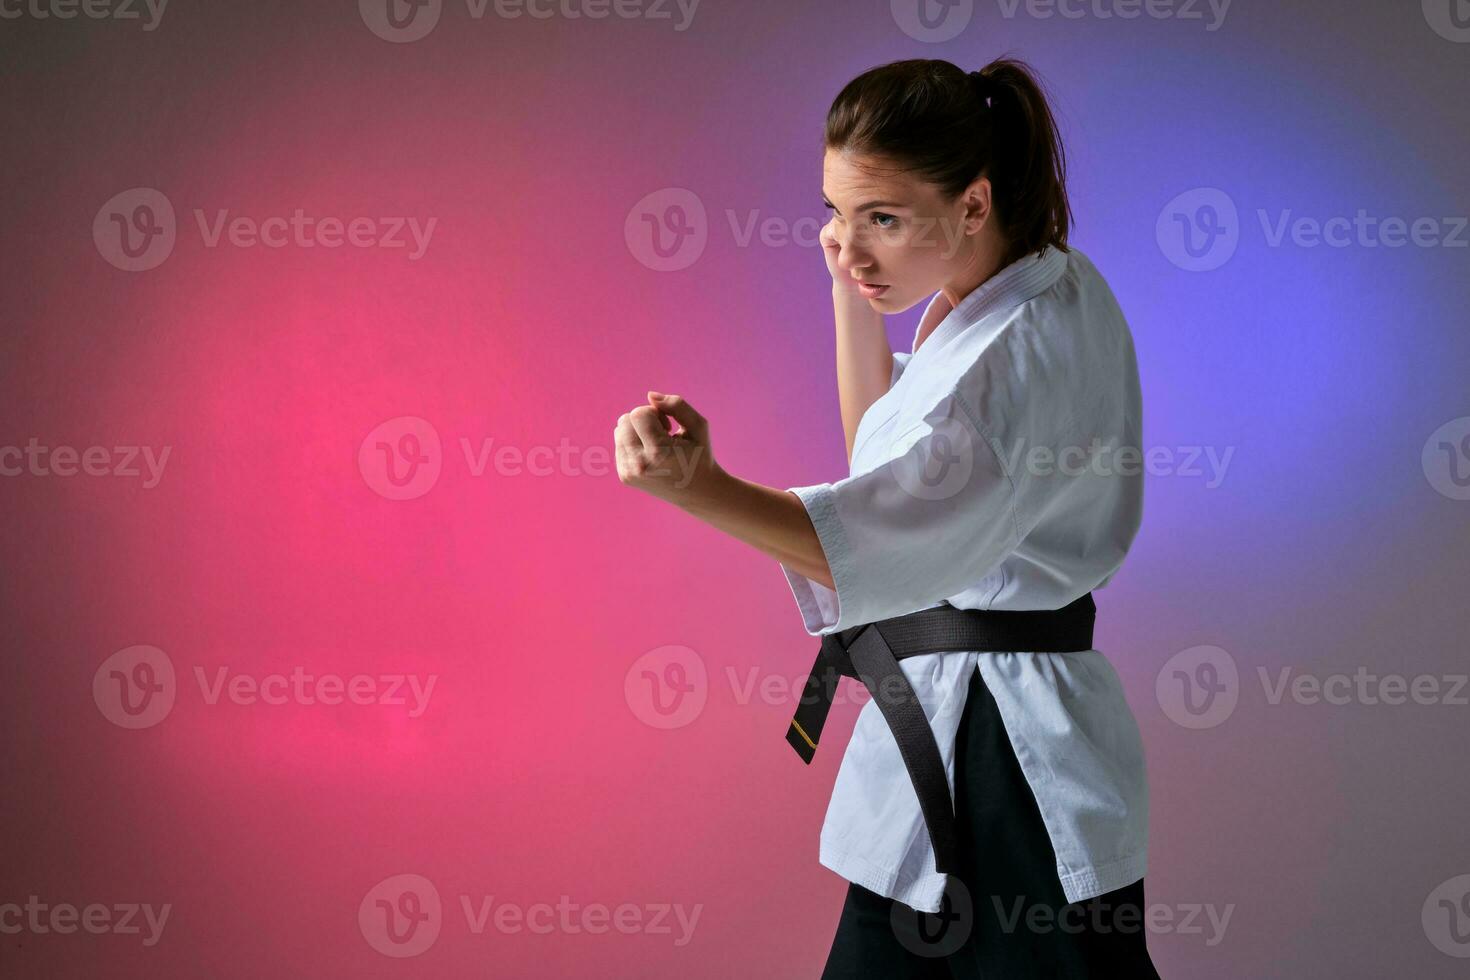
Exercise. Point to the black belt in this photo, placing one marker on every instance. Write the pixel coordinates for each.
(871, 652)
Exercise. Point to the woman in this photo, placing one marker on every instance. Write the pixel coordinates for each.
(995, 482)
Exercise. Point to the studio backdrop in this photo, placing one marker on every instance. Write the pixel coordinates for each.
(333, 646)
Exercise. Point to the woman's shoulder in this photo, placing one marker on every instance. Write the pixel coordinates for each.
(1050, 351)
(1081, 293)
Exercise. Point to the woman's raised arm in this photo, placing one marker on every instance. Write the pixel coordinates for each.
(864, 359)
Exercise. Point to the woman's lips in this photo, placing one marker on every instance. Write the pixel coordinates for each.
(870, 291)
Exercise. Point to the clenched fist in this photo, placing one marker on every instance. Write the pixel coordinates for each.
(651, 457)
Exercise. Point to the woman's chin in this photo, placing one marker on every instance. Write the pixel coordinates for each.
(890, 302)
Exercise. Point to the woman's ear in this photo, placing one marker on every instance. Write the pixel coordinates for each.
(977, 204)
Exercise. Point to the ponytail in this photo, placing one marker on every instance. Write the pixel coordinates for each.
(1028, 167)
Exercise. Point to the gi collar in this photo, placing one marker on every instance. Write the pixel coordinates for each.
(1018, 282)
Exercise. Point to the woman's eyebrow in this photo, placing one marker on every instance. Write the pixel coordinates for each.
(866, 207)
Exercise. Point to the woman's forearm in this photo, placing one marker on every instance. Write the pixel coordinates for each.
(772, 520)
(864, 359)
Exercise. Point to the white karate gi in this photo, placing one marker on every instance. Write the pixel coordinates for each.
(945, 502)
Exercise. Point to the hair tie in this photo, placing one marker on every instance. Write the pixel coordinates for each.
(985, 87)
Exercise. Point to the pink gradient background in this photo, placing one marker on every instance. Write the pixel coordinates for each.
(529, 321)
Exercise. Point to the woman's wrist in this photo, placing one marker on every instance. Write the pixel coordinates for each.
(851, 307)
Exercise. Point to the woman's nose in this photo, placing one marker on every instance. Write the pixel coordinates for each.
(850, 254)
(851, 264)
(847, 234)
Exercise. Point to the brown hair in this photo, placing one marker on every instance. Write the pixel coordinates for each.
(949, 126)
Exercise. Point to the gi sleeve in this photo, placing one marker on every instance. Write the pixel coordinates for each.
(933, 519)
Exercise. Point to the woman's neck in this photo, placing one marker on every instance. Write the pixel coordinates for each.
(986, 260)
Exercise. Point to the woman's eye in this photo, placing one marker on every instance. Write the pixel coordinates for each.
(879, 216)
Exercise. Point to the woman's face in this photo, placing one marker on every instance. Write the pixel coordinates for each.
(896, 231)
